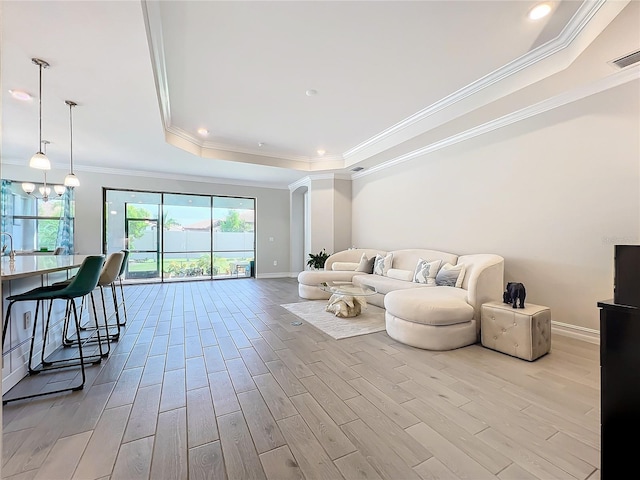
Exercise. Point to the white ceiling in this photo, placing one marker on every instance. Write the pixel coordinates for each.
(147, 75)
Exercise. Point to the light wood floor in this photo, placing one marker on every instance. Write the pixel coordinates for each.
(211, 380)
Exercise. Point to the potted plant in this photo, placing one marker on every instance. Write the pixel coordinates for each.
(316, 261)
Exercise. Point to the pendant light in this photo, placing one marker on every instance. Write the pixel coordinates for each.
(40, 159)
(71, 180)
(45, 190)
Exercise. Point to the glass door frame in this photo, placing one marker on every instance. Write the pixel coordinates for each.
(209, 252)
(158, 241)
(160, 226)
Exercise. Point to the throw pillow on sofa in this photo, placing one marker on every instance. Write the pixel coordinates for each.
(397, 274)
(366, 264)
(426, 271)
(382, 264)
(450, 275)
(344, 266)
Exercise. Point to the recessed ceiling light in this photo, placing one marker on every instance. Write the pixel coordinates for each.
(539, 11)
(321, 152)
(20, 95)
(261, 144)
(311, 92)
(203, 131)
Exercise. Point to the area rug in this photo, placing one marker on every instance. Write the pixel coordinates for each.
(369, 321)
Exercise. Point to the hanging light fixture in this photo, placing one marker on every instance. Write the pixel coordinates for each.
(40, 159)
(71, 180)
(45, 190)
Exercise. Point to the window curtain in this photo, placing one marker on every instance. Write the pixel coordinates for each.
(7, 208)
(65, 227)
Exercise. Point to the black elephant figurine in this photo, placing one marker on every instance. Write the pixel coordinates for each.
(514, 292)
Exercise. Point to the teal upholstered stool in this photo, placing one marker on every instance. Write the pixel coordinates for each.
(83, 283)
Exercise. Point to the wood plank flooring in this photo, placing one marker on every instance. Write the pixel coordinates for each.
(210, 380)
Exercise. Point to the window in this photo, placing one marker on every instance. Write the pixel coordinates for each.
(34, 223)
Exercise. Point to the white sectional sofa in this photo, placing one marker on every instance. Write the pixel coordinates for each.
(424, 315)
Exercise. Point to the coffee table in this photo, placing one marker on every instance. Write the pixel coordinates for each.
(347, 299)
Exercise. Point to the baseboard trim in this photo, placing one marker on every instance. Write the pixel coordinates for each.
(274, 275)
(580, 333)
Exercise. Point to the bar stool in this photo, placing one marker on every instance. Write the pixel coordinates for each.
(110, 273)
(108, 276)
(82, 284)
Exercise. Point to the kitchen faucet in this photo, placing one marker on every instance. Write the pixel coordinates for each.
(12, 253)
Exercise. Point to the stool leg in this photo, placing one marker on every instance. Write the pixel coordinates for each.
(33, 341)
(31, 371)
(110, 337)
(66, 341)
(116, 310)
(95, 316)
(124, 304)
(116, 306)
(82, 306)
(77, 321)
(6, 322)
(45, 333)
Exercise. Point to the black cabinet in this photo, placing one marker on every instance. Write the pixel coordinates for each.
(619, 388)
(626, 282)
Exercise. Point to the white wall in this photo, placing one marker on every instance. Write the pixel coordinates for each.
(272, 209)
(342, 219)
(321, 214)
(552, 194)
(298, 225)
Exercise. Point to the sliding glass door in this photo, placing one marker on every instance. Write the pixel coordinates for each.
(233, 236)
(186, 251)
(142, 238)
(177, 237)
(131, 220)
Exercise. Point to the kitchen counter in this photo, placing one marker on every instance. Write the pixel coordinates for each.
(30, 265)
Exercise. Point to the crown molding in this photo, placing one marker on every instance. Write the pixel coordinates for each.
(184, 140)
(204, 145)
(303, 182)
(160, 175)
(600, 85)
(155, 41)
(401, 131)
(576, 25)
(306, 181)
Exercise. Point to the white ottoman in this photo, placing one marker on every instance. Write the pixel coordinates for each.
(521, 332)
(430, 318)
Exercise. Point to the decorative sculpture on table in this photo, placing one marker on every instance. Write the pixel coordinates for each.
(346, 305)
(513, 293)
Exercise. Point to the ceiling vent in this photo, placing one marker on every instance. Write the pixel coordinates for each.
(357, 169)
(627, 60)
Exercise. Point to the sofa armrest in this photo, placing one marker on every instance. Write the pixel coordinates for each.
(352, 255)
(484, 279)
